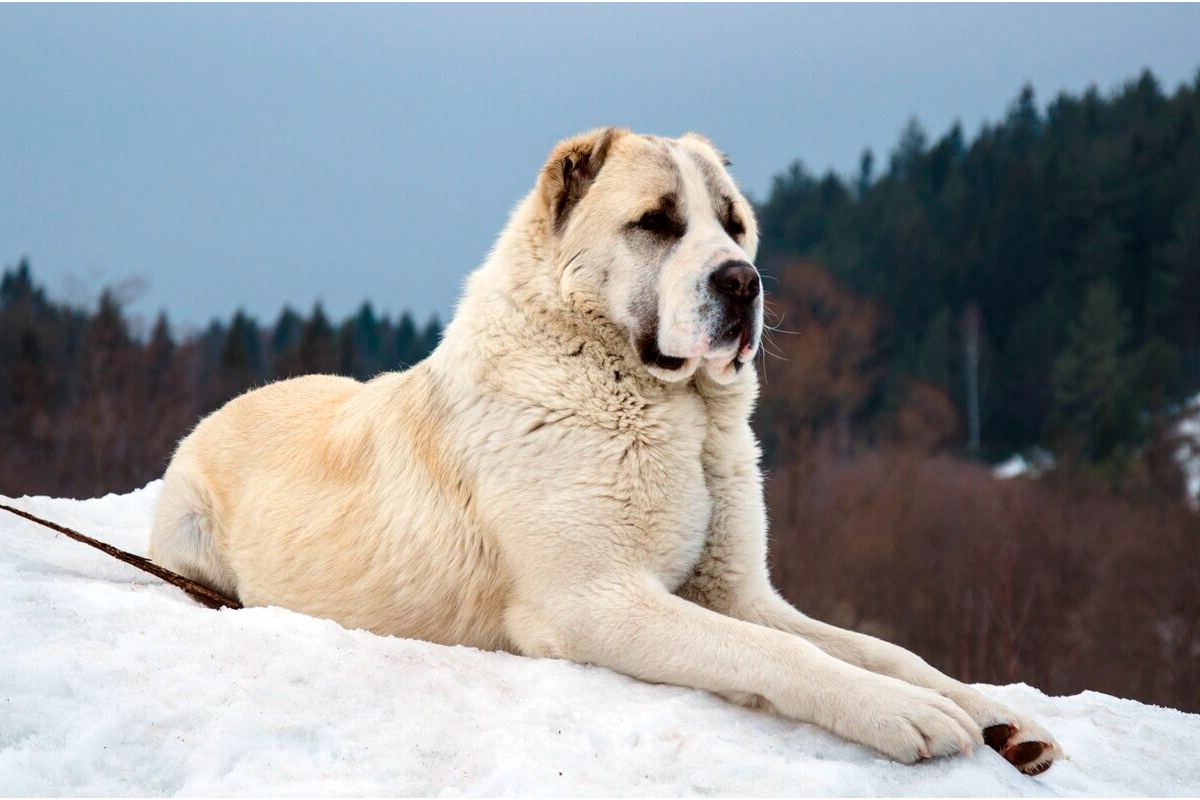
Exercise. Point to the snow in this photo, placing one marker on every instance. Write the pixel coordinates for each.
(116, 684)
(1037, 463)
(1188, 453)
(1012, 468)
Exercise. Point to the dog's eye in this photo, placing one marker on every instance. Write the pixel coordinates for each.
(731, 221)
(660, 223)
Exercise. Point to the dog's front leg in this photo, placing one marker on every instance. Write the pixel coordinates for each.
(1023, 742)
(638, 628)
(732, 578)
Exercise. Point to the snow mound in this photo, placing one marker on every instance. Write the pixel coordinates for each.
(116, 684)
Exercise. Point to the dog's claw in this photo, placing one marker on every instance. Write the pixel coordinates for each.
(995, 736)
(1037, 768)
(1019, 755)
(1031, 757)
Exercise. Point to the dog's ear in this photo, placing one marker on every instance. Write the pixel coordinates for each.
(704, 141)
(569, 173)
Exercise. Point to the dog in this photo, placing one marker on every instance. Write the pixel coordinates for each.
(570, 474)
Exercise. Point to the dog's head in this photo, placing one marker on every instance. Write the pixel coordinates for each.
(655, 232)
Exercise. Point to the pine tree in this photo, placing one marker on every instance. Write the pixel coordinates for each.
(367, 342)
(909, 152)
(285, 341)
(405, 346)
(317, 350)
(866, 173)
(1092, 414)
(241, 355)
(160, 349)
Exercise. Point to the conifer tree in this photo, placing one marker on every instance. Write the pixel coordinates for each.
(1092, 414)
(317, 348)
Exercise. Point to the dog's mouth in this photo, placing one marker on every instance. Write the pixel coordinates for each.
(651, 355)
(731, 347)
(735, 341)
(738, 331)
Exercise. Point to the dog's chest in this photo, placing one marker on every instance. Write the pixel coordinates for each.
(670, 503)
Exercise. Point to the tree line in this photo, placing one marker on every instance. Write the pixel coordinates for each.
(86, 407)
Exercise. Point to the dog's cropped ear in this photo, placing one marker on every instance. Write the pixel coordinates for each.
(569, 173)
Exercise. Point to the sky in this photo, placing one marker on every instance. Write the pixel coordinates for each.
(216, 157)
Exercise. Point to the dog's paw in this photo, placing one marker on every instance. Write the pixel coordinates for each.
(1024, 744)
(908, 723)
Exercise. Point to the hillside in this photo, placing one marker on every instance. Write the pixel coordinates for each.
(115, 684)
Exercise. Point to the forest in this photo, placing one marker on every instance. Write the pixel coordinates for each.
(88, 407)
(1033, 288)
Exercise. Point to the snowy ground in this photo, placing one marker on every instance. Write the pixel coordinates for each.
(115, 684)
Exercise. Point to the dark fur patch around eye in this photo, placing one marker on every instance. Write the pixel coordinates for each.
(731, 221)
(723, 204)
(663, 222)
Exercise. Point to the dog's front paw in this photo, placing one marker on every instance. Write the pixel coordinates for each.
(908, 723)
(1024, 744)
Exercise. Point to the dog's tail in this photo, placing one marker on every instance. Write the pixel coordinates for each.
(183, 537)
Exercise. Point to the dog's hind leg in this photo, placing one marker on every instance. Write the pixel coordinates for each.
(183, 539)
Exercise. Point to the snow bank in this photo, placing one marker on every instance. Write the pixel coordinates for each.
(115, 684)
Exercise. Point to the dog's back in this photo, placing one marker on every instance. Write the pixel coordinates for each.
(212, 467)
(276, 499)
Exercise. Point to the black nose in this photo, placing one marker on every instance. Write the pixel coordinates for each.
(736, 279)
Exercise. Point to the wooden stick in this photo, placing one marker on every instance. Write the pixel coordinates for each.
(203, 594)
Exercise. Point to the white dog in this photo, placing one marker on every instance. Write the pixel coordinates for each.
(570, 474)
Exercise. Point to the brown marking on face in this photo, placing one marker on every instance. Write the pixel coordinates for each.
(663, 221)
(652, 233)
(731, 221)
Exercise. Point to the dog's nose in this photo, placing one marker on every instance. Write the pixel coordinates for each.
(736, 279)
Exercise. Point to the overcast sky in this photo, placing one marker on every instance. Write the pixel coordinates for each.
(251, 156)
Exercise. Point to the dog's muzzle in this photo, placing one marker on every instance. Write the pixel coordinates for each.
(737, 285)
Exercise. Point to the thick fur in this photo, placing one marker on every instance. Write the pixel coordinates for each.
(570, 474)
